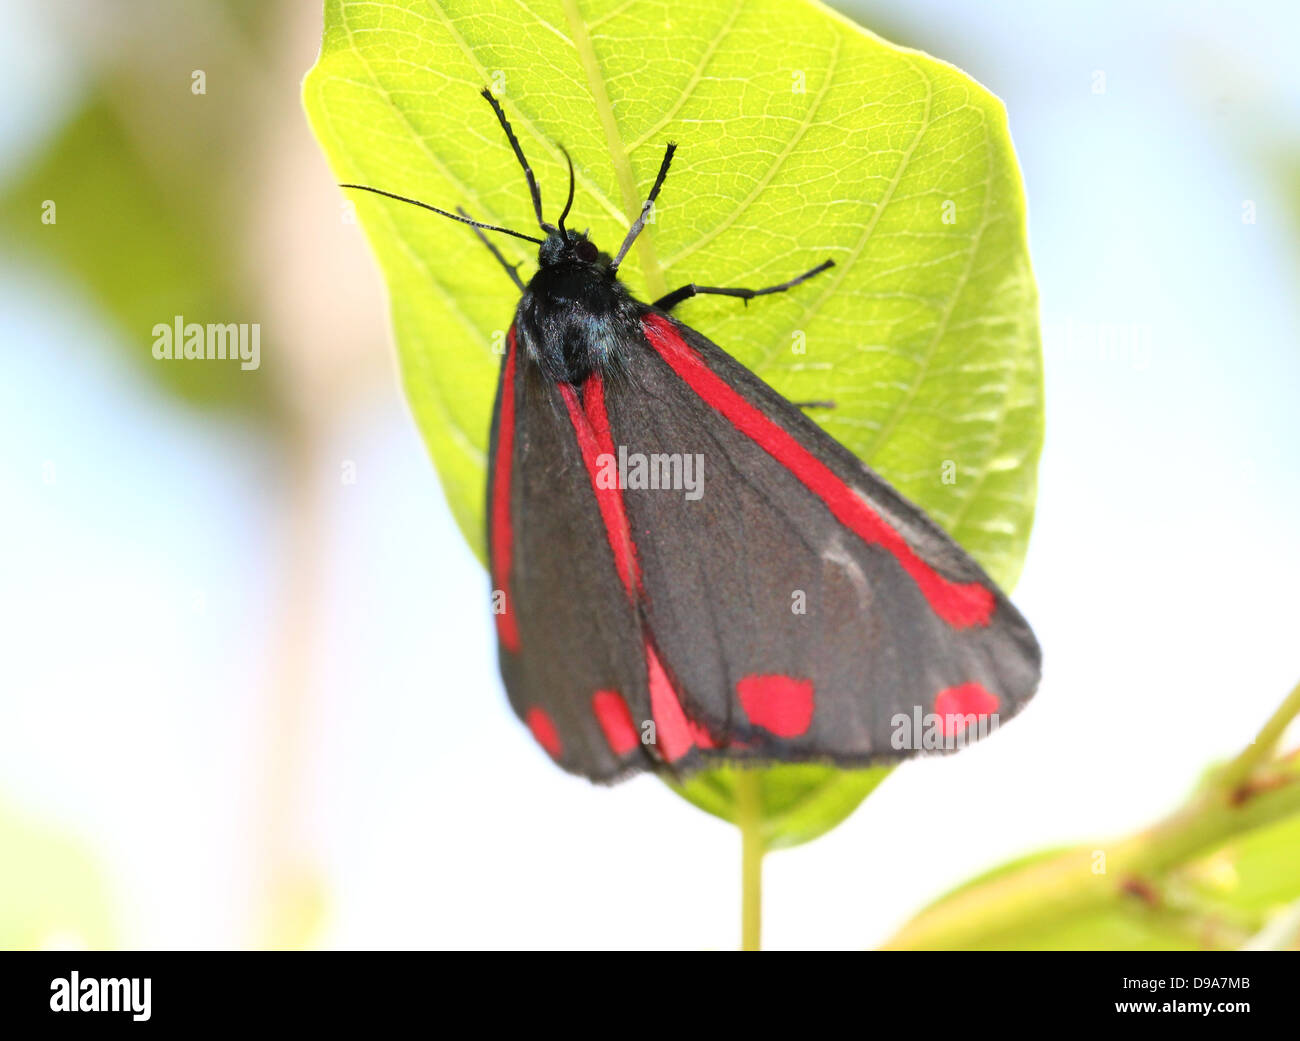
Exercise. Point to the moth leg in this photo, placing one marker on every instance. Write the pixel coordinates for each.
(667, 303)
(511, 269)
(813, 404)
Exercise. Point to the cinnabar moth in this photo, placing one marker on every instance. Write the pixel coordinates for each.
(643, 629)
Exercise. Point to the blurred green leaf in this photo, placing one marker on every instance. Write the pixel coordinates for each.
(1259, 873)
(146, 241)
(802, 137)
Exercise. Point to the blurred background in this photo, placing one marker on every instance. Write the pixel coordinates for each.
(248, 693)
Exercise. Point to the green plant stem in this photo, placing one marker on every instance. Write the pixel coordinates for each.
(1065, 885)
(749, 819)
(1236, 773)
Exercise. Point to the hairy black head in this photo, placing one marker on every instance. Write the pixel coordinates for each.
(575, 315)
(570, 248)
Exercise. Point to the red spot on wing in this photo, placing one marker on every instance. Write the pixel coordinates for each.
(543, 728)
(501, 531)
(956, 704)
(780, 704)
(591, 428)
(959, 604)
(675, 735)
(615, 720)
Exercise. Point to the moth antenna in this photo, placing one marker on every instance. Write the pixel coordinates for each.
(444, 213)
(635, 230)
(569, 204)
(533, 190)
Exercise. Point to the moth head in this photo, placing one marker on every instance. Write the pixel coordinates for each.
(571, 247)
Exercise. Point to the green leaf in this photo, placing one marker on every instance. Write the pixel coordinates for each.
(799, 802)
(802, 137)
(1257, 873)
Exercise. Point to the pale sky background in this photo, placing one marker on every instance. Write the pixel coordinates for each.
(135, 591)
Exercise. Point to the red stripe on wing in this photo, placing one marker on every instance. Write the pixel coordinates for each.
(959, 604)
(676, 734)
(502, 534)
(591, 428)
(615, 720)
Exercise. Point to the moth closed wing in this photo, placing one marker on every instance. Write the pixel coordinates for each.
(687, 569)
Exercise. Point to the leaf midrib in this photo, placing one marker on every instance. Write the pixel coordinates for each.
(656, 284)
(518, 117)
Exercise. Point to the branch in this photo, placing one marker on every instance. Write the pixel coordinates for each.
(1248, 793)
